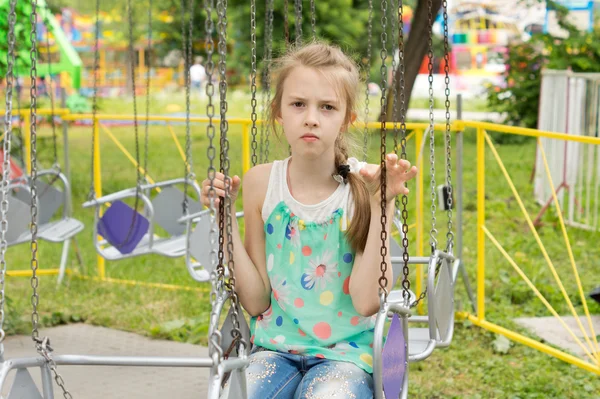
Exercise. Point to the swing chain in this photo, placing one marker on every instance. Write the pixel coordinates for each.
(42, 345)
(313, 19)
(450, 233)
(10, 61)
(216, 275)
(433, 231)
(298, 10)
(286, 23)
(235, 332)
(265, 129)
(394, 33)
(35, 299)
(383, 281)
(253, 117)
(401, 65)
(187, 48)
(367, 73)
(92, 192)
(56, 165)
(147, 127)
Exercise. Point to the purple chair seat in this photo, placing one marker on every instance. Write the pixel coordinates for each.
(116, 227)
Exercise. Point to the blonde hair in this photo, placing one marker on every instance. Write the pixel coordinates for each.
(344, 76)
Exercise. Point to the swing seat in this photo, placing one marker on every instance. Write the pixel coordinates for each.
(50, 200)
(122, 227)
(198, 254)
(163, 211)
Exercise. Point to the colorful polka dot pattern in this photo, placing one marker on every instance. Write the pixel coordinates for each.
(309, 266)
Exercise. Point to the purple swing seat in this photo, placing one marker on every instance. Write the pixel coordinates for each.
(394, 358)
(115, 227)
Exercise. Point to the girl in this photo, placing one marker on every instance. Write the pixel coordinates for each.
(308, 270)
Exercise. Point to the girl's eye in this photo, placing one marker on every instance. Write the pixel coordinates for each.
(328, 107)
(298, 104)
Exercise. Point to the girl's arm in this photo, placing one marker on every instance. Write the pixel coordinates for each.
(251, 279)
(364, 280)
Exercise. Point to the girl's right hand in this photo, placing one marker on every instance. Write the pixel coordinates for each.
(219, 186)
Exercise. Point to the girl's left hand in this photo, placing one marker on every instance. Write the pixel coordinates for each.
(399, 171)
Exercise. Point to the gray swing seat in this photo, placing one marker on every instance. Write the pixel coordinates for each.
(198, 243)
(164, 210)
(50, 200)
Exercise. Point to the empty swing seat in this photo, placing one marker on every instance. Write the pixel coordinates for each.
(50, 200)
(128, 233)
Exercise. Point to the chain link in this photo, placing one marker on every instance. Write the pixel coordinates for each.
(383, 281)
(368, 73)
(216, 277)
(394, 29)
(286, 23)
(433, 231)
(253, 115)
(42, 345)
(265, 128)
(51, 91)
(313, 19)
(10, 62)
(298, 10)
(450, 233)
(187, 49)
(92, 191)
(235, 333)
(148, 68)
(404, 212)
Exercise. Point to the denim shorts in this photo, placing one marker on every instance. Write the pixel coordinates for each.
(282, 375)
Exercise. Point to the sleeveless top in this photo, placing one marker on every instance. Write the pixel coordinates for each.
(309, 262)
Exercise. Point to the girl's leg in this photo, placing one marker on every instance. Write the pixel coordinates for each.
(335, 379)
(272, 375)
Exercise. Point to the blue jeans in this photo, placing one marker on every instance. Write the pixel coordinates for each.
(281, 375)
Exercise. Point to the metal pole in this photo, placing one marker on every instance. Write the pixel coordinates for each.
(67, 168)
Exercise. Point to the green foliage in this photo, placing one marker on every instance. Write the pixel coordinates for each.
(78, 104)
(22, 37)
(519, 99)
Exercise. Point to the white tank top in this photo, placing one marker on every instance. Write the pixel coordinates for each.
(278, 191)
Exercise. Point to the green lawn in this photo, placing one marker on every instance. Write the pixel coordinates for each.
(470, 368)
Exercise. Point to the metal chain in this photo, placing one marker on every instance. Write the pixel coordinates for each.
(368, 72)
(313, 19)
(235, 332)
(148, 67)
(92, 191)
(42, 345)
(10, 62)
(402, 83)
(298, 10)
(394, 30)
(433, 231)
(216, 278)
(286, 24)
(187, 48)
(383, 281)
(51, 91)
(450, 233)
(265, 130)
(253, 116)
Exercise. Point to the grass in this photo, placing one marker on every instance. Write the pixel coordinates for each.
(470, 368)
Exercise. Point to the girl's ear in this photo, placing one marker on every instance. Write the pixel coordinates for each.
(352, 119)
(277, 114)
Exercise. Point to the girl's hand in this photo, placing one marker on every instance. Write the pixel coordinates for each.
(399, 171)
(219, 186)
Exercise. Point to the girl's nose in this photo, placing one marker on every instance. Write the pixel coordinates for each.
(311, 119)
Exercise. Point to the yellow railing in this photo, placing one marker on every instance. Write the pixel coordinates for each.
(481, 128)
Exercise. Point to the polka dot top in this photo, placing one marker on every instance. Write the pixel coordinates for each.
(309, 262)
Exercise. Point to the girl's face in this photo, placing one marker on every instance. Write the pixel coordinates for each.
(312, 114)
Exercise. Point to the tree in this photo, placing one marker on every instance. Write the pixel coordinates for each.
(22, 40)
